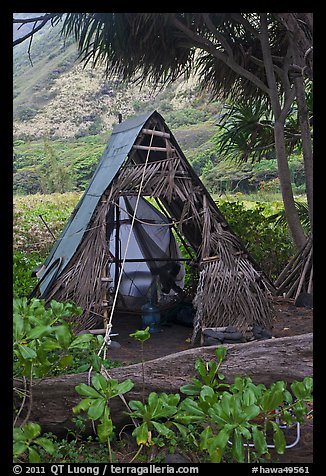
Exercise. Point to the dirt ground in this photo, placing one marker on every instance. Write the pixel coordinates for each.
(288, 320)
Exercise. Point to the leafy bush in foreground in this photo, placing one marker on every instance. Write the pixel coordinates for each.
(209, 420)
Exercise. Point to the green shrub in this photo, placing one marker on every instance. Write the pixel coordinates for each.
(269, 244)
(185, 117)
(26, 113)
(30, 233)
(23, 264)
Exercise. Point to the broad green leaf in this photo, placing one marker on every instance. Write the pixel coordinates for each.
(300, 390)
(100, 383)
(200, 366)
(50, 344)
(216, 445)
(83, 405)
(65, 361)
(18, 434)
(221, 439)
(218, 415)
(212, 370)
(259, 440)
(81, 341)
(226, 402)
(207, 392)
(87, 391)
(300, 409)
(287, 397)
(238, 383)
(279, 440)
(82, 368)
(46, 444)
(33, 456)
(182, 429)
(251, 412)
(26, 352)
(191, 388)
(19, 447)
(243, 430)
(96, 362)
(31, 430)
(163, 429)
(220, 353)
(39, 331)
(272, 399)
(191, 408)
(104, 430)
(63, 336)
(125, 386)
(18, 327)
(237, 447)
(152, 400)
(136, 405)
(216, 455)
(96, 408)
(308, 383)
(171, 399)
(205, 436)
(113, 388)
(186, 419)
(249, 397)
(141, 434)
(141, 335)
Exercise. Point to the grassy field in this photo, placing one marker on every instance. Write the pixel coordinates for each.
(245, 213)
(30, 233)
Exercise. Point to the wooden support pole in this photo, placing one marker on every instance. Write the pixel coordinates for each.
(149, 260)
(154, 149)
(117, 246)
(303, 275)
(156, 133)
(310, 280)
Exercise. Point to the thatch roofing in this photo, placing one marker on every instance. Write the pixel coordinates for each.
(232, 288)
(120, 143)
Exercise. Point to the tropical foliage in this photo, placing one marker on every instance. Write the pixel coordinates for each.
(256, 56)
(247, 132)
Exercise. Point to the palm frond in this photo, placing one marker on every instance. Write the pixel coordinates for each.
(145, 46)
(303, 212)
(247, 132)
(160, 47)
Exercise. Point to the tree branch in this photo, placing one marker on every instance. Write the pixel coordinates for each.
(245, 23)
(208, 46)
(43, 20)
(33, 19)
(269, 66)
(217, 35)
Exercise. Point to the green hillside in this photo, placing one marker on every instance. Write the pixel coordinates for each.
(64, 114)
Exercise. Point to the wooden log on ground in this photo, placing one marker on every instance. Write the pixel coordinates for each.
(265, 361)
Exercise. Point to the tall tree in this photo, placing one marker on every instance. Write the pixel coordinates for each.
(261, 55)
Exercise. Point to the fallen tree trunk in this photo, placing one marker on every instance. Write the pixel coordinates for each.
(266, 361)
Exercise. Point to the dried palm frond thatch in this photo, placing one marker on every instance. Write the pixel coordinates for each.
(231, 289)
(297, 276)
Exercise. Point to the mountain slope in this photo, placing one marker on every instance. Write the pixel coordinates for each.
(64, 113)
(55, 96)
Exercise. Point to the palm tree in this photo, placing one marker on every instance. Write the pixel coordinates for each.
(247, 131)
(266, 56)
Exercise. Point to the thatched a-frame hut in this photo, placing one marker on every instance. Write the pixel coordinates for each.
(143, 159)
